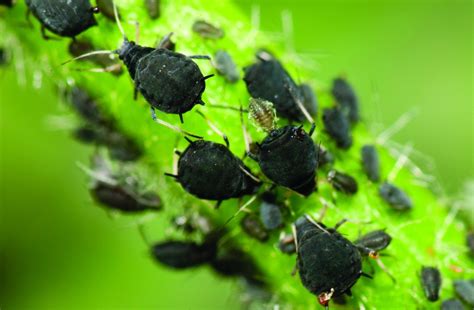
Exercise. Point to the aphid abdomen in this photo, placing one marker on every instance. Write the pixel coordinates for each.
(63, 17)
(182, 254)
(370, 162)
(169, 81)
(337, 126)
(346, 98)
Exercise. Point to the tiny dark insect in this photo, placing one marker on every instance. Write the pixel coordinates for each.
(4, 57)
(465, 290)
(431, 282)
(370, 162)
(329, 264)
(252, 225)
(342, 182)
(324, 157)
(106, 8)
(63, 17)
(470, 242)
(346, 98)
(183, 254)
(8, 3)
(80, 47)
(123, 198)
(287, 244)
(86, 106)
(270, 212)
(310, 102)
(452, 304)
(287, 155)
(225, 66)
(267, 79)
(206, 161)
(337, 127)
(207, 30)
(376, 240)
(154, 8)
(395, 197)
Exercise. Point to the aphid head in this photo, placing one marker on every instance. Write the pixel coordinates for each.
(262, 114)
(325, 297)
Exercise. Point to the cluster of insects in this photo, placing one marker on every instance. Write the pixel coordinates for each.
(289, 158)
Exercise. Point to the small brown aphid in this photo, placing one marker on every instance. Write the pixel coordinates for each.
(207, 30)
(262, 114)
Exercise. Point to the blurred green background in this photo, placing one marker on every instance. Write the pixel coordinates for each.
(58, 250)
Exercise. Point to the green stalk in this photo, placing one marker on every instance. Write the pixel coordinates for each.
(427, 235)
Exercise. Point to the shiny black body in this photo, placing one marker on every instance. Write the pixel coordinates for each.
(431, 282)
(370, 162)
(326, 260)
(154, 8)
(452, 304)
(337, 126)
(210, 171)
(342, 182)
(346, 98)
(226, 66)
(310, 102)
(63, 17)
(171, 82)
(270, 212)
(465, 290)
(376, 240)
(252, 225)
(395, 197)
(267, 79)
(288, 157)
(183, 254)
(124, 199)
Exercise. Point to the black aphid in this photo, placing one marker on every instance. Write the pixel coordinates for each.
(310, 102)
(207, 30)
(225, 66)
(63, 17)
(337, 127)
(154, 8)
(106, 8)
(270, 212)
(267, 79)
(470, 242)
(8, 3)
(183, 254)
(286, 244)
(370, 162)
(342, 182)
(452, 304)
(108, 64)
(324, 157)
(287, 155)
(329, 264)
(465, 290)
(124, 198)
(346, 98)
(252, 225)
(210, 171)
(4, 57)
(395, 197)
(431, 282)
(376, 240)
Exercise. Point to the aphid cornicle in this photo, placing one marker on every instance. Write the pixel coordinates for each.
(267, 79)
(452, 304)
(63, 17)
(465, 290)
(370, 162)
(225, 66)
(337, 127)
(431, 282)
(287, 155)
(342, 182)
(346, 98)
(209, 170)
(329, 264)
(252, 225)
(395, 197)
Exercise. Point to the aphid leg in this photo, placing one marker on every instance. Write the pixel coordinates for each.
(311, 131)
(200, 57)
(340, 223)
(325, 297)
(165, 41)
(384, 269)
(43, 33)
(207, 77)
(181, 118)
(250, 175)
(363, 274)
(172, 127)
(243, 208)
(214, 128)
(218, 204)
(312, 221)
(174, 176)
(135, 93)
(324, 210)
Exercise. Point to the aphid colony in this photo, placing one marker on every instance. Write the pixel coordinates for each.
(329, 264)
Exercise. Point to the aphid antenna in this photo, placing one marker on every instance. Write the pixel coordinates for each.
(214, 128)
(241, 209)
(250, 175)
(309, 218)
(165, 40)
(385, 269)
(172, 127)
(303, 109)
(225, 107)
(324, 210)
(110, 68)
(117, 20)
(293, 231)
